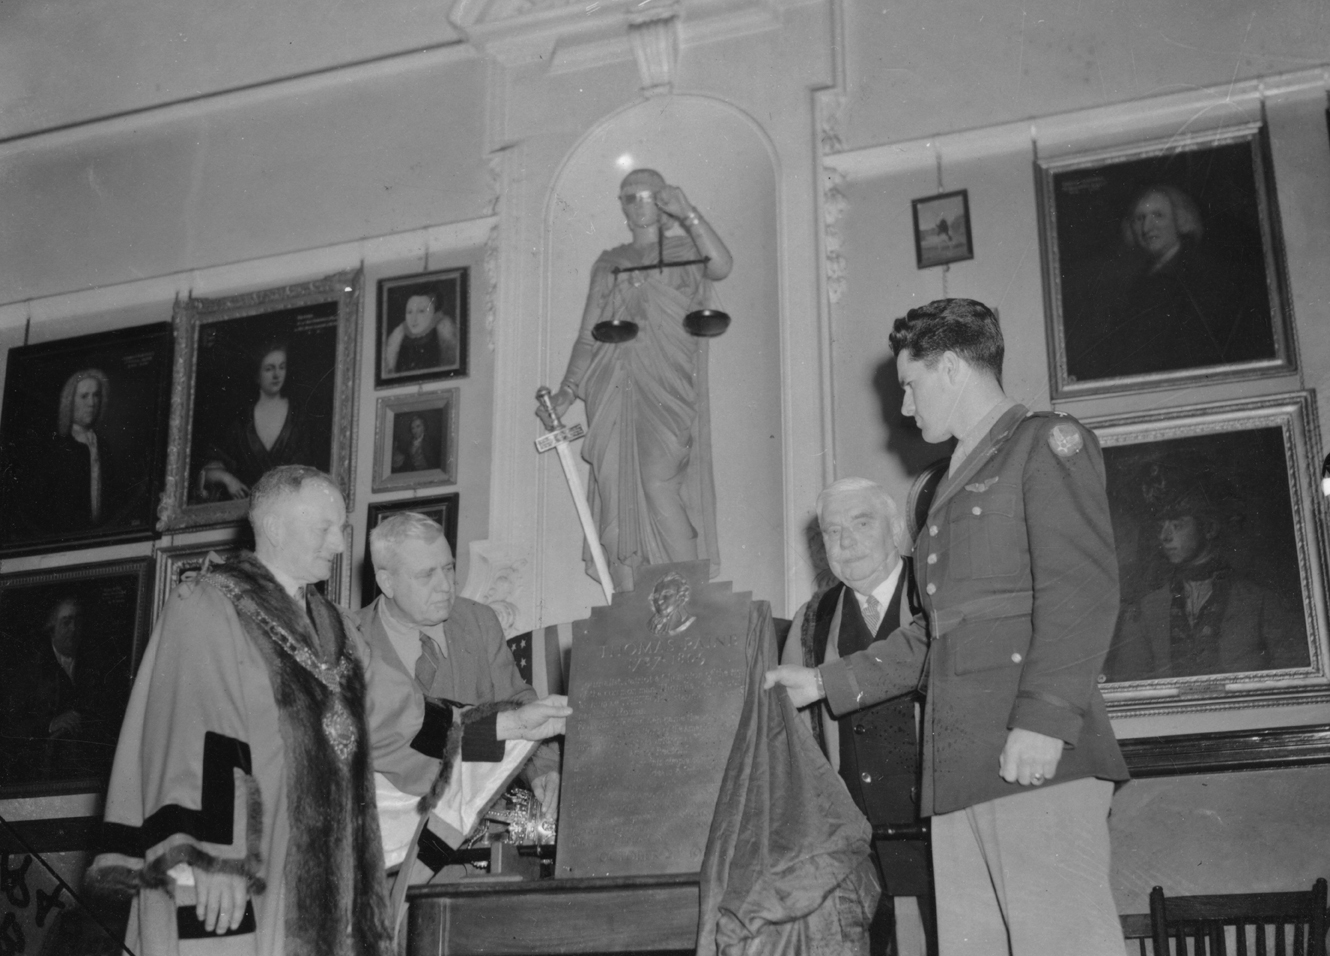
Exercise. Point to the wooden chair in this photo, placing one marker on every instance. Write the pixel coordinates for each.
(1196, 924)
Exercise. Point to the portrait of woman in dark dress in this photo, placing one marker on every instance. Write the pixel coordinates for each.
(269, 433)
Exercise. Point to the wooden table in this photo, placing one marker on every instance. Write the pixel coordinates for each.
(625, 914)
(602, 915)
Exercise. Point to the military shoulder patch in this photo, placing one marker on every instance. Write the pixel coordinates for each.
(1065, 440)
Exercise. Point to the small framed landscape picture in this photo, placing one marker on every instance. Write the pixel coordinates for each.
(423, 323)
(70, 642)
(441, 508)
(415, 441)
(942, 229)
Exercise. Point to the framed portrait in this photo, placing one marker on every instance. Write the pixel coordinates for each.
(415, 441)
(441, 508)
(422, 327)
(83, 439)
(183, 563)
(261, 379)
(1163, 264)
(942, 229)
(1219, 557)
(70, 642)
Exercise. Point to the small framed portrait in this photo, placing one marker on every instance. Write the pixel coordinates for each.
(423, 322)
(261, 379)
(1163, 264)
(415, 441)
(942, 229)
(83, 439)
(441, 508)
(70, 642)
(1223, 590)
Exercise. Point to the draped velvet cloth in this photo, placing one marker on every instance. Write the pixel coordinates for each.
(648, 410)
(787, 869)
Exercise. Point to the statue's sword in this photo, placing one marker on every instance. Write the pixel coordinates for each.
(561, 439)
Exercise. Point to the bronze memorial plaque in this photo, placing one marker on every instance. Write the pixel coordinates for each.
(656, 686)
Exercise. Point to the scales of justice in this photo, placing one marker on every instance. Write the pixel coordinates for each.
(705, 323)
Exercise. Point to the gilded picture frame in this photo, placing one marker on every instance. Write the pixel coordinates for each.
(1220, 555)
(261, 379)
(415, 441)
(1163, 264)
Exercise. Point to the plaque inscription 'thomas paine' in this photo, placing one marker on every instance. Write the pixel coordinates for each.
(656, 685)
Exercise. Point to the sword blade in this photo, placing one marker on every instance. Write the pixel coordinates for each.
(584, 514)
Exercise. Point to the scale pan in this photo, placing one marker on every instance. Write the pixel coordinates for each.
(614, 331)
(706, 322)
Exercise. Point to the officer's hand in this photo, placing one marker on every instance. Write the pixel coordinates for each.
(62, 725)
(1029, 757)
(534, 721)
(801, 682)
(220, 900)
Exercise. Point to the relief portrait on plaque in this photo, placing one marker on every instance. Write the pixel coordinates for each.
(643, 376)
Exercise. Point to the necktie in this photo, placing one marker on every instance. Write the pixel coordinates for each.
(428, 663)
(872, 615)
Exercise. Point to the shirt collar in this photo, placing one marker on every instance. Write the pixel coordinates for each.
(971, 439)
(395, 627)
(883, 591)
(289, 584)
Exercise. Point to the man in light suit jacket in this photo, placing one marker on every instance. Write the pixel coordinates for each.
(876, 749)
(438, 655)
(1020, 594)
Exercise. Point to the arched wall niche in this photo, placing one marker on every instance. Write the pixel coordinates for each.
(724, 162)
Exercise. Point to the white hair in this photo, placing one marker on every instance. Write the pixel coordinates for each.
(391, 533)
(883, 502)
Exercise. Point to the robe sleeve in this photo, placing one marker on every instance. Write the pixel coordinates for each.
(183, 787)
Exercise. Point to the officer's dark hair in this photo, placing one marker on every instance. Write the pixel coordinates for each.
(964, 326)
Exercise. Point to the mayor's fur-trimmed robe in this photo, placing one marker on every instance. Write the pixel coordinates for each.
(236, 756)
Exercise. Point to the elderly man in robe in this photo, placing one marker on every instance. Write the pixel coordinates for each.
(237, 810)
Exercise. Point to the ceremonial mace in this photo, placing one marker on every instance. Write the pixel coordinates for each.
(560, 439)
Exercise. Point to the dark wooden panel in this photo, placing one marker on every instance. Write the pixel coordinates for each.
(554, 916)
(1220, 752)
(55, 835)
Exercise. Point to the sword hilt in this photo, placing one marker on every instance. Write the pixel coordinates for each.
(546, 400)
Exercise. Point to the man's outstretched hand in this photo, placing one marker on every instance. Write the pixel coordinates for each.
(801, 682)
(534, 721)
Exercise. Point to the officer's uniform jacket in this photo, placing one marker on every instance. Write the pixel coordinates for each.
(1018, 579)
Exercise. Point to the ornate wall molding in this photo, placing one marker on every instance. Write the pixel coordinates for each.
(654, 37)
